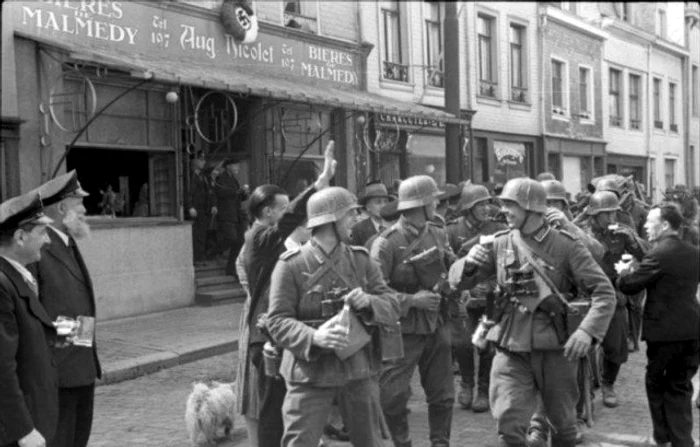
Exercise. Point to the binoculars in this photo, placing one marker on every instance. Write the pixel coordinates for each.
(333, 301)
(521, 283)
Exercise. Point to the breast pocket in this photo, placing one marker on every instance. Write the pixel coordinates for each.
(310, 304)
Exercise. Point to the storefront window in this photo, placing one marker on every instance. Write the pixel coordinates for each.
(481, 167)
(511, 160)
(426, 156)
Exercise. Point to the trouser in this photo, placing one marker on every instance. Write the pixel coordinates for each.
(464, 353)
(75, 409)
(516, 381)
(615, 349)
(199, 235)
(431, 353)
(306, 409)
(270, 423)
(670, 370)
(231, 239)
(634, 311)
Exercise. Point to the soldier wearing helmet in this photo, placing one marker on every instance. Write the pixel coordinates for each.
(617, 239)
(448, 202)
(632, 211)
(414, 256)
(536, 267)
(327, 299)
(474, 222)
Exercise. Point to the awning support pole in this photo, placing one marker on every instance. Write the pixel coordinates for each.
(453, 152)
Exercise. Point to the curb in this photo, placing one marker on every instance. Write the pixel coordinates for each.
(150, 363)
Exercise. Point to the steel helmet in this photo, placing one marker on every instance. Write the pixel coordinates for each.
(555, 190)
(329, 205)
(527, 193)
(602, 201)
(473, 194)
(609, 184)
(417, 191)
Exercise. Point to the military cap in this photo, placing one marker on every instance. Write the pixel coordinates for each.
(373, 190)
(62, 187)
(22, 210)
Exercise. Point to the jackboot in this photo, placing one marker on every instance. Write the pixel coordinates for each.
(481, 402)
(466, 395)
(609, 396)
(398, 426)
(440, 421)
(536, 437)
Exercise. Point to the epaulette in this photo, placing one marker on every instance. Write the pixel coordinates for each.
(359, 248)
(289, 253)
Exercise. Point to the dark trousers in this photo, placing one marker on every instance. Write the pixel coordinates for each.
(670, 369)
(615, 349)
(270, 423)
(199, 236)
(635, 305)
(232, 234)
(75, 407)
(464, 352)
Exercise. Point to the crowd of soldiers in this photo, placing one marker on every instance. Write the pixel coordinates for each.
(513, 287)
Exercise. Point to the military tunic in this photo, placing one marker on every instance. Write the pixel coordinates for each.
(315, 376)
(529, 358)
(426, 336)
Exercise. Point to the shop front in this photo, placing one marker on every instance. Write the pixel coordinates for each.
(499, 157)
(128, 93)
(575, 162)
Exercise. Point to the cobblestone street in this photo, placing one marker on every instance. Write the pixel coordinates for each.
(149, 411)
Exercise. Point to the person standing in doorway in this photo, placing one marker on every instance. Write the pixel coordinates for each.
(231, 219)
(202, 207)
(65, 288)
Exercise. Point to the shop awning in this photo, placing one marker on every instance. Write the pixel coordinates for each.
(240, 80)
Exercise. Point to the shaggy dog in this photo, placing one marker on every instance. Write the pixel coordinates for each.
(209, 415)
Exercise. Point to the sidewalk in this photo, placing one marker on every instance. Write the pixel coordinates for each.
(135, 346)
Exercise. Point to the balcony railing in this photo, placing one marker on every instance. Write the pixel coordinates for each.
(436, 78)
(298, 21)
(584, 115)
(616, 121)
(395, 72)
(556, 110)
(635, 124)
(487, 88)
(659, 124)
(674, 128)
(518, 94)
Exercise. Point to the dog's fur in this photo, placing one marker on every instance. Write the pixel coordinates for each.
(209, 415)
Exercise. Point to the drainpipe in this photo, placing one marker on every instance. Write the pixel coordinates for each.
(453, 151)
(542, 28)
(650, 126)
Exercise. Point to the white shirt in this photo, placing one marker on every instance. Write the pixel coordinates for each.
(26, 274)
(61, 234)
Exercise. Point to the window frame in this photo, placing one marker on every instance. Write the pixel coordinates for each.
(522, 91)
(670, 162)
(672, 124)
(429, 22)
(638, 98)
(304, 6)
(617, 119)
(399, 70)
(662, 22)
(695, 90)
(563, 111)
(656, 103)
(589, 114)
(492, 80)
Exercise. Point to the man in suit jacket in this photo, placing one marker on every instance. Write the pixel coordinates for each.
(65, 289)
(375, 197)
(28, 391)
(202, 207)
(231, 218)
(670, 273)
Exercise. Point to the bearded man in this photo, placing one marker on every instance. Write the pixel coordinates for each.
(65, 288)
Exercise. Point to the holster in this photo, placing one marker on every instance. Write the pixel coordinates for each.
(556, 310)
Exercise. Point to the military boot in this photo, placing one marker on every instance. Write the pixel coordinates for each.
(536, 437)
(481, 401)
(609, 396)
(440, 421)
(466, 395)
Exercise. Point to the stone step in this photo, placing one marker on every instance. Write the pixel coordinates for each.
(209, 270)
(228, 295)
(214, 281)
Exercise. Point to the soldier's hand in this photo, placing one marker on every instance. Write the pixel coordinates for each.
(193, 213)
(33, 439)
(331, 337)
(426, 300)
(626, 232)
(577, 345)
(555, 217)
(358, 299)
(329, 165)
(478, 255)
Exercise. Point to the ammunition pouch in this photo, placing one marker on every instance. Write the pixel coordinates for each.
(564, 319)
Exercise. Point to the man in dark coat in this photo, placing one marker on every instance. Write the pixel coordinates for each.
(670, 274)
(28, 391)
(231, 219)
(65, 289)
(374, 198)
(202, 207)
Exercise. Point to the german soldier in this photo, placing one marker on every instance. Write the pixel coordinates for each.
(535, 265)
(463, 234)
(617, 239)
(414, 255)
(318, 362)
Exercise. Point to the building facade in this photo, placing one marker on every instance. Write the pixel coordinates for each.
(691, 91)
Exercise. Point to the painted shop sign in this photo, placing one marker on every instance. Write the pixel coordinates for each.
(409, 122)
(155, 31)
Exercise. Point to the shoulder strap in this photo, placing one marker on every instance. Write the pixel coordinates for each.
(407, 251)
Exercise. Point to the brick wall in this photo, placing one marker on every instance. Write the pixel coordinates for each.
(574, 49)
(339, 19)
